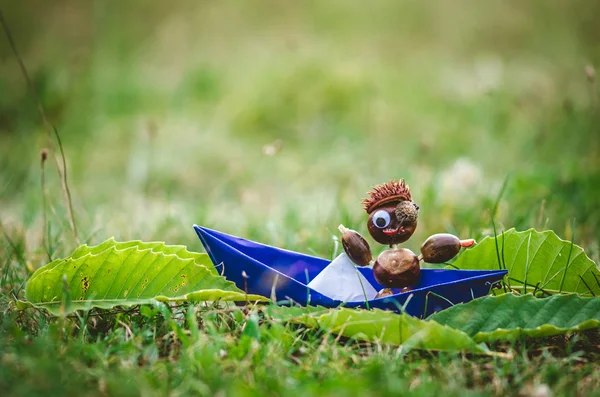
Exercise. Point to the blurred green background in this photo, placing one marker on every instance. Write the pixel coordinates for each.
(271, 119)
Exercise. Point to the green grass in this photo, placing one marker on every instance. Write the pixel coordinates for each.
(270, 120)
(206, 351)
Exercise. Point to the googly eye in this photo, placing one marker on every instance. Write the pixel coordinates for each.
(381, 219)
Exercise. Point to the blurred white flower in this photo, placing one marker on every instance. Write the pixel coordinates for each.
(471, 81)
(461, 182)
(272, 148)
(542, 390)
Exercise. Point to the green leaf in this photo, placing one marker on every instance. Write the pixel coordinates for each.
(251, 327)
(510, 317)
(540, 259)
(131, 273)
(381, 327)
(289, 313)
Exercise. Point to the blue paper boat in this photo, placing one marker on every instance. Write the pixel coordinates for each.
(283, 275)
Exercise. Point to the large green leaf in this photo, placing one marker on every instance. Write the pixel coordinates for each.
(131, 273)
(540, 259)
(509, 317)
(382, 327)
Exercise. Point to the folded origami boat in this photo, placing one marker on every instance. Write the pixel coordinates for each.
(283, 275)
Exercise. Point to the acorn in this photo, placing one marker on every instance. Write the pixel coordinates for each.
(356, 246)
(407, 213)
(397, 268)
(442, 247)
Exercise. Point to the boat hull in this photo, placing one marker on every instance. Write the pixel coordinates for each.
(283, 275)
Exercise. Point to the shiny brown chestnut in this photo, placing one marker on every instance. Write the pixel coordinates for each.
(442, 247)
(397, 268)
(386, 227)
(355, 246)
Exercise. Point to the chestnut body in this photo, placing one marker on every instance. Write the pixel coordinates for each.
(397, 268)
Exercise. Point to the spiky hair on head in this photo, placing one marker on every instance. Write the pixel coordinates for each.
(386, 193)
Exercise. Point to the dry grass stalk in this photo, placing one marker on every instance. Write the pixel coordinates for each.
(50, 129)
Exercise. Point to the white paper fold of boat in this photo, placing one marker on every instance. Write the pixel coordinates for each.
(341, 280)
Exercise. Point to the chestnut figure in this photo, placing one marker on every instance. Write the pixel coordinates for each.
(392, 213)
(392, 220)
(442, 247)
(397, 268)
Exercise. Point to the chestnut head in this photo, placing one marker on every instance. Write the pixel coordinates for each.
(393, 223)
(392, 213)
